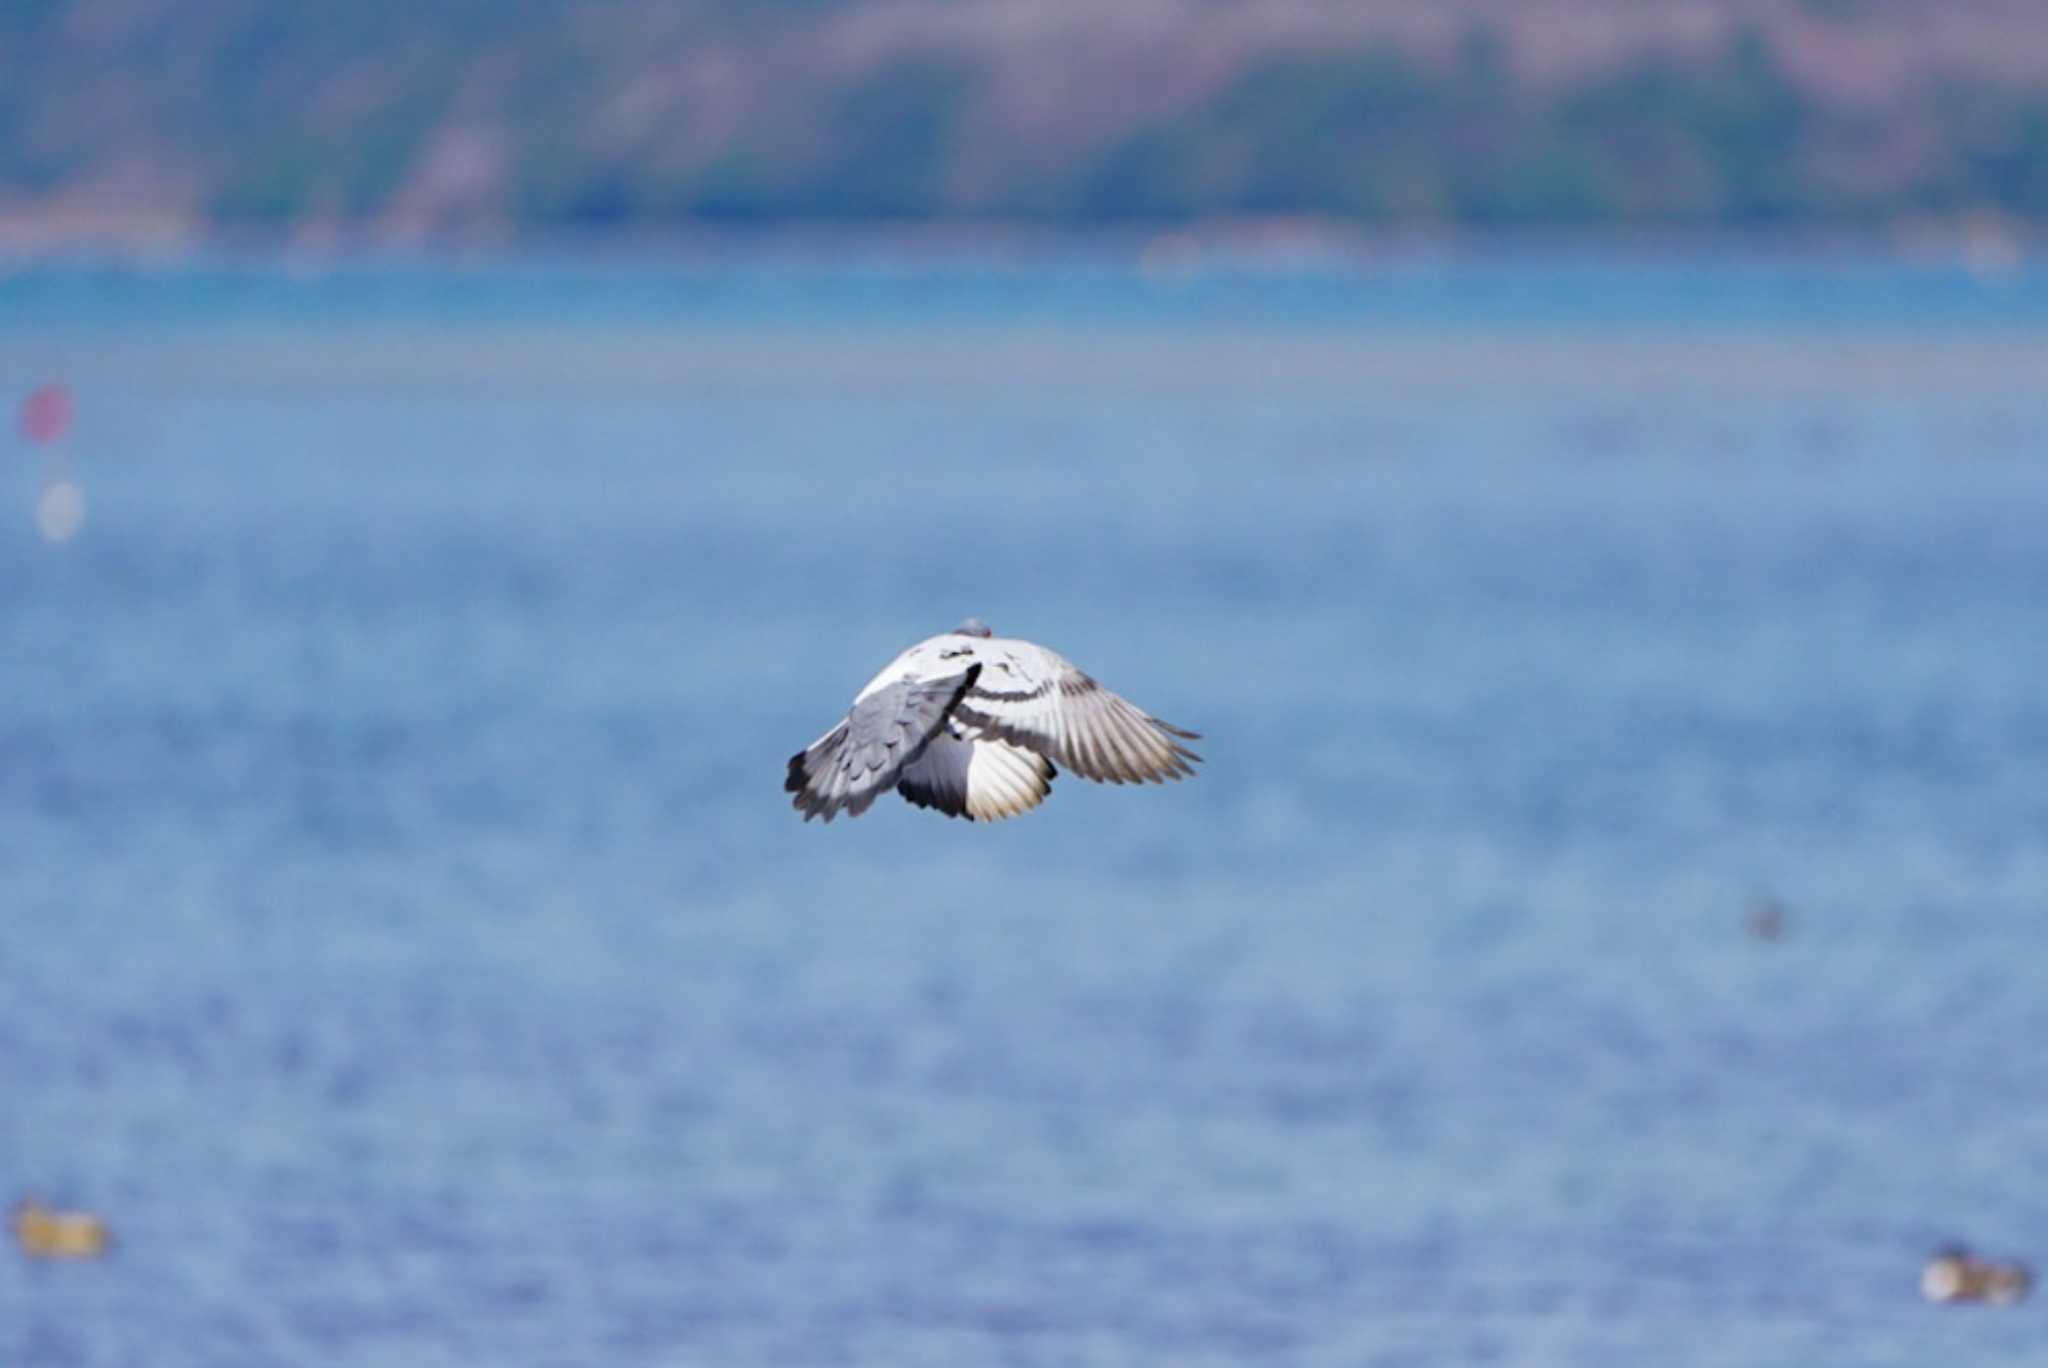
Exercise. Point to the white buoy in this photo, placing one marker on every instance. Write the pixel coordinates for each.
(61, 511)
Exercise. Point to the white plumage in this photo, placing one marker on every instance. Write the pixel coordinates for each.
(973, 724)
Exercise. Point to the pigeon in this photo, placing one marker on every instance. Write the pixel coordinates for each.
(971, 724)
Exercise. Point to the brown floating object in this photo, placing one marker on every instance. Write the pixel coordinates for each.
(1955, 1274)
(1767, 919)
(46, 1233)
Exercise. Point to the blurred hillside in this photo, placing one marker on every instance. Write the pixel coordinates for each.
(493, 118)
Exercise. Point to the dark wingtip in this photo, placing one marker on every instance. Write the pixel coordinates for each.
(929, 800)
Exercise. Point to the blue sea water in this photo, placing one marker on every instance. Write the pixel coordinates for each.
(408, 950)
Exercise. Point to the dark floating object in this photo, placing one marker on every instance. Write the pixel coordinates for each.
(1954, 1274)
(47, 1233)
(1766, 919)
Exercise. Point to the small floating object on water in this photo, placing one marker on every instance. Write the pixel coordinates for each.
(46, 414)
(1954, 1274)
(60, 512)
(46, 1233)
(1766, 919)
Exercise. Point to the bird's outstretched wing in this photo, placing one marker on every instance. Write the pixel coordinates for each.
(847, 767)
(1035, 699)
(984, 780)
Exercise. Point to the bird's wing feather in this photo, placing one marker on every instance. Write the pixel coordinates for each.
(847, 767)
(982, 779)
(1033, 698)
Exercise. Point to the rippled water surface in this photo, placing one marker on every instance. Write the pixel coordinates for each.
(409, 951)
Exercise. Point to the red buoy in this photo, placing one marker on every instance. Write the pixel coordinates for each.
(46, 414)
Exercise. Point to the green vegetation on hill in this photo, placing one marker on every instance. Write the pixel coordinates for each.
(530, 115)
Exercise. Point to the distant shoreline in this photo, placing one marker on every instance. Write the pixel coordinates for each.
(31, 240)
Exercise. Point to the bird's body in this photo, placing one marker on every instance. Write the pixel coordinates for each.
(974, 724)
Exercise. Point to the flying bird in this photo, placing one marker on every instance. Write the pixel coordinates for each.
(972, 724)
